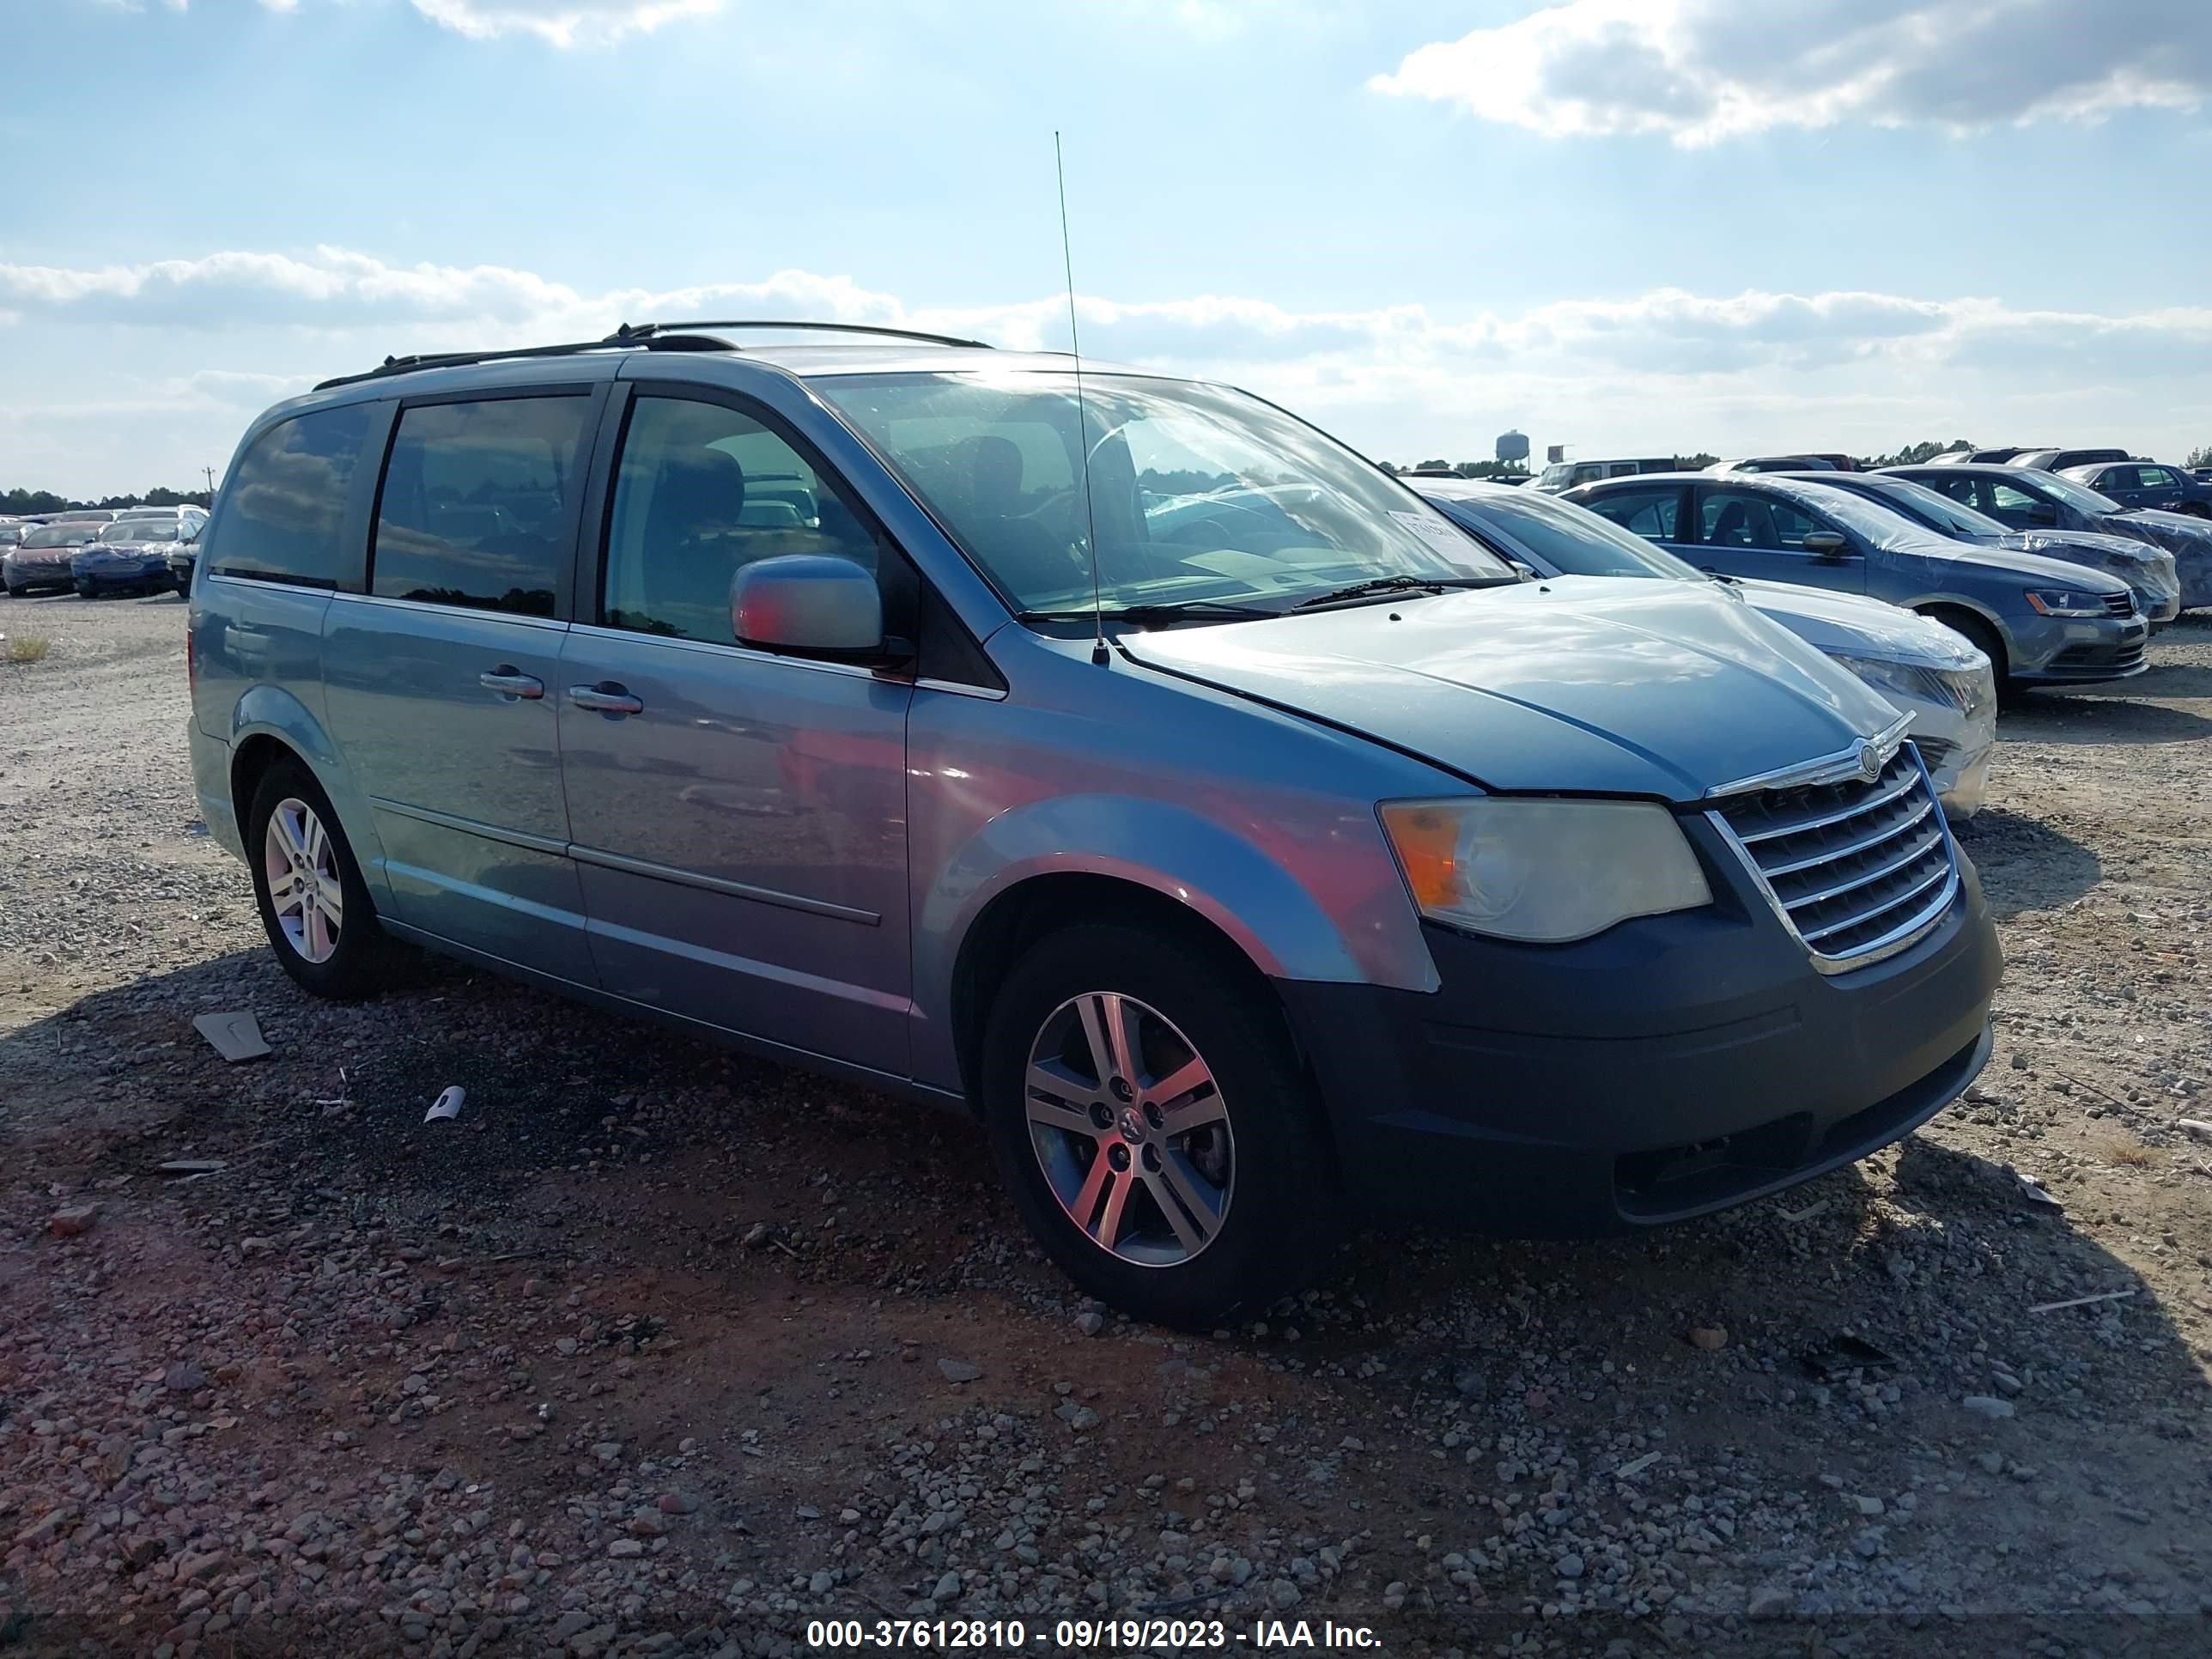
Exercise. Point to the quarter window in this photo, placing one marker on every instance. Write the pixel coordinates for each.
(1650, 514)
(474, 507)
(702, 491)
(284, 503)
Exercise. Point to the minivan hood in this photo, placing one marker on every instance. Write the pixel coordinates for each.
(1574, 684)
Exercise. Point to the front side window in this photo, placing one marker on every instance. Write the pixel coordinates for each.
(284, 502)
(474, 507)
(1650, 514)
(702, 490)
(1737, 518)
(1196, 495)
(2011, 498)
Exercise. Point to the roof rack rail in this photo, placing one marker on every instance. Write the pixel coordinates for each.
(409, 365)
(631, 332)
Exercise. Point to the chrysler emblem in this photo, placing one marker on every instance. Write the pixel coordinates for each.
(1869, 761)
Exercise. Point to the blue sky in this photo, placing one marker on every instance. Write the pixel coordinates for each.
(1622, 225)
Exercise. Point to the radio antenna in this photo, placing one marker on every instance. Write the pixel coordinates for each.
(1099, 653)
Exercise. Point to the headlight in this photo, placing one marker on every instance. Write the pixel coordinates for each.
(1542, 871)
(2065, 602)
(1884, 676)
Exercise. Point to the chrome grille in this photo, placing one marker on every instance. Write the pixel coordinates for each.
(2120, 605)
(1858, 870)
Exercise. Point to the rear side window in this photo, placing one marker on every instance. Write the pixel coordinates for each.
(284, 503)
(474, 509)
(1646, 512)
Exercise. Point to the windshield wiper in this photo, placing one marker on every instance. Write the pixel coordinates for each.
(1151, 614)
(1382, 584)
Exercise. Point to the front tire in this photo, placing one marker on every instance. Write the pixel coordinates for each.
(1159, 1136)
(314, 905)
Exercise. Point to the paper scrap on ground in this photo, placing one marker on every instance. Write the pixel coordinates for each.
(236, 1035)
(448, 1104)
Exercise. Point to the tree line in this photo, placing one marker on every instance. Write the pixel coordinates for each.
(21, 500)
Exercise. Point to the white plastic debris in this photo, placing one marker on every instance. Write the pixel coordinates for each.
(448, 1104)
(236, 1036)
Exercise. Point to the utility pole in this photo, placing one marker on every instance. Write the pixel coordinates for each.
(210, 472)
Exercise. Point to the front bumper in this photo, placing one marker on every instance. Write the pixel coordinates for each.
(2078, 651)
(36, 573)
(1671, 1067)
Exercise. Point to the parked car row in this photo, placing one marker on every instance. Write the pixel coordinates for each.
(1252, 854)
(137, 551)
(1926, 669)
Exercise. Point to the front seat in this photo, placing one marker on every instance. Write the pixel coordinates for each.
(691, 546)
(1732, 528)
(1020, 552)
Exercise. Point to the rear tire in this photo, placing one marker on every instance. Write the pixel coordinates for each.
(293, 841)
(1218, 1190)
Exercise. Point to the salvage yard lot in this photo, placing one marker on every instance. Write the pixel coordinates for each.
(662, 1349)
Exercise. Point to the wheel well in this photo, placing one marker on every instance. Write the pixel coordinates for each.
(1025, 913)
(1975, 626)
(248, 763)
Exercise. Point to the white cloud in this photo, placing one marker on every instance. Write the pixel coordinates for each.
(1701, 71)
(169, 359)
(560, 22)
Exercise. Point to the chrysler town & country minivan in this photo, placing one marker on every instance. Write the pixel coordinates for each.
(1123, 760)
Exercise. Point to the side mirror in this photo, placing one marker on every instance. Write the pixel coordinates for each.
(2043, 516)
(1826, 545)
(809, 606)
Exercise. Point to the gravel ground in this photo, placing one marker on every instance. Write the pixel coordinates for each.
(659, 1349)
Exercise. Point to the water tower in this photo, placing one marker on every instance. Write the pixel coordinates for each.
(1513, 446)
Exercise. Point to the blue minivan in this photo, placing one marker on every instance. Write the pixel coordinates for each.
(1118, 758)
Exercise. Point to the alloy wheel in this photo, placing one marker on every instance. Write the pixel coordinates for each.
(1130, 1129)
(300, 860)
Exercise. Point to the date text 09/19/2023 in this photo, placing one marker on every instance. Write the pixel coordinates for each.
(1081, 1634)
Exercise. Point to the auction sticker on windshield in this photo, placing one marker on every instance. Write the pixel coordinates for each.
(1434, 530)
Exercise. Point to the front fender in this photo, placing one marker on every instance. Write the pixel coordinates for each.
(271, 711)
(1287, 931)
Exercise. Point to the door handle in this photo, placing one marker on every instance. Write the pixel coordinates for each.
(511, 682)
(607, 697)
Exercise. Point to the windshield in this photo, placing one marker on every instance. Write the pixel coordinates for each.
(139, 530)
(1934, 509)
(61, 535)
(1199, 494)
(1573, 540)
(2080, 497)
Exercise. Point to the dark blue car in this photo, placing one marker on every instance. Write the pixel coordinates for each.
(2039, 622)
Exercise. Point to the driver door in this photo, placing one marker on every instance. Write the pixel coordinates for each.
(1749, 532)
